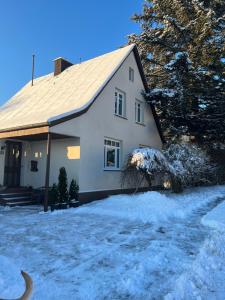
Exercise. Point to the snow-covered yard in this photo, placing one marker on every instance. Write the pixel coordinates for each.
(147, 246)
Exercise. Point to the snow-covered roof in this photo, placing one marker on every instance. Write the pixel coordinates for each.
(54, 97)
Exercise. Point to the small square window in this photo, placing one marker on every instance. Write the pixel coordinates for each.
(34, 166)
(131, 74)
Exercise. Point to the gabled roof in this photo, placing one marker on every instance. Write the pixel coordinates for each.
(55, 99)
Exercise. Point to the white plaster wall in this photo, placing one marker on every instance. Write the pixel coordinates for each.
(2, 162)
(99, 122)
(59, 158)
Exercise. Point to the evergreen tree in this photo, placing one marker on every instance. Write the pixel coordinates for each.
(54, 194)
(73, 190)
(182, 50)
(62, 185)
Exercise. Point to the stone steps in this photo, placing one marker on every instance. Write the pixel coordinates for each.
(18, 198)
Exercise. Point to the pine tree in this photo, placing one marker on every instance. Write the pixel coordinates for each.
(54, 194)
(73, 190)
(182, 47)
(62, 185)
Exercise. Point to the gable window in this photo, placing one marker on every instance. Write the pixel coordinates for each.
(139, 112)
(112, 154)
(131, 74)
(120, 103)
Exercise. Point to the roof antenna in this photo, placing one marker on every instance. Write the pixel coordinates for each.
(32, 81)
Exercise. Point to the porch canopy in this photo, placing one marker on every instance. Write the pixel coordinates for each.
(36, 134)
(31, 134)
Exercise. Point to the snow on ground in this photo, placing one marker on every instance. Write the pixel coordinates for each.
(155, 206)
(216, 218)
(206, 276)
(124, 247)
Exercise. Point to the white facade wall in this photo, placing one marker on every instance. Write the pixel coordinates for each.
(99, 122)
(62, 155)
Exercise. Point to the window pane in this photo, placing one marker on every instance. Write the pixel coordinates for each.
(136, 111)
(105, 156)
(108, 142)
(139, 112)
(120, 110)
(118, 158)
(131, 74)
(110, 157)
(142, 113)
(113, 143)
(120, 106)
(115, 102)
(117, 144)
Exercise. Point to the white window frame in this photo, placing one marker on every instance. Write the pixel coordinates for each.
(120, 99)
(139, 111)
(112, 144)
(131, 74)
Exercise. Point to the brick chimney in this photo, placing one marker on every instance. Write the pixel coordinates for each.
(61, 64)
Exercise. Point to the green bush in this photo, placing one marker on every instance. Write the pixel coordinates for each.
(73, 190)
(62, 186)
(176, 184)
(54, 194)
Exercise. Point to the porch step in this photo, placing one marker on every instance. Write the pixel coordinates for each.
(15, 195)
(18, 199)
(21, 203)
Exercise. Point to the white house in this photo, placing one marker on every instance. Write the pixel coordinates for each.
(86, 117)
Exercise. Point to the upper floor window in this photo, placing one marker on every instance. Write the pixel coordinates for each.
(120, 103)
(139, 112)
(131, 74)
(112, 153)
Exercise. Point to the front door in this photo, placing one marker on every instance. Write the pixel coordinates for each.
(12, 164)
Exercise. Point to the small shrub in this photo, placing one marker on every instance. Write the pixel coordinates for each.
(54, 194)
(176, 184)
(151, 163)
(62, 186)
(73, 190)
(191, 164)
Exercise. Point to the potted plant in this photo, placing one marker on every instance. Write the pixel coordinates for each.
(54, 197)
(62, 188)
(73, 194)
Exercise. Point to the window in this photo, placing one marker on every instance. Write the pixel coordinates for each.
(120, 105)
(112, 153)
(139, 112)
(34, 166)
(131, 74)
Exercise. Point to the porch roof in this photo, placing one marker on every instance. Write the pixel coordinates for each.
(32, 134)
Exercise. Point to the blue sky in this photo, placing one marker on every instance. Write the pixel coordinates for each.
(73, 29)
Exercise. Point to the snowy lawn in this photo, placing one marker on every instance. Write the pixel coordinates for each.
(148, 246)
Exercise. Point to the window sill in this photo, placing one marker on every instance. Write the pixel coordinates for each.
(125, 118)
(108, 169)
(139, 123)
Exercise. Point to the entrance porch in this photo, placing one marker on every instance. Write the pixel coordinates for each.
(31, 158)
